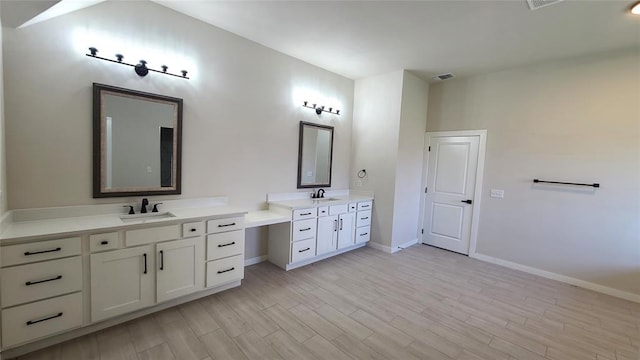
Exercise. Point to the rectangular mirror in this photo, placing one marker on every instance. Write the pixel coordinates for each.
(136, 143)
(315, 154)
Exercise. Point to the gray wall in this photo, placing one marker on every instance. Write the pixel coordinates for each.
(574, 120)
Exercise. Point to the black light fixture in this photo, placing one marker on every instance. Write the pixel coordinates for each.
(320, 108)
(140, 68)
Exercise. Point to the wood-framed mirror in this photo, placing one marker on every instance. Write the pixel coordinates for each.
(137, 143)
(315, 155)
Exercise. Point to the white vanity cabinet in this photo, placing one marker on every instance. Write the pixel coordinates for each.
(121, 281)
(41, 289)
(137, 277)
(363, 222)
(314, 233)
(53, 288)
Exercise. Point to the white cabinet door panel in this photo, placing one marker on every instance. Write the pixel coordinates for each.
(180, 267)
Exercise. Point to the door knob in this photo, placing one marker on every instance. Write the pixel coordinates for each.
(468, 201)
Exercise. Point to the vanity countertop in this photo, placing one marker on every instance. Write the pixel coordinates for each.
(328, 201)
(67, 226)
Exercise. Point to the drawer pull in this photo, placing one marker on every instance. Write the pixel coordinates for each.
(229, 244)
(307, 229)
(225, 225)
(104, 242)
(363, 234)
(161, 260)
(364, 218)
(365, 206)
(303, 250)
(193, 229)
(305, 214)
(224, 271)
(27, 253)
(31, 322)
(29, 283)
(145, 263)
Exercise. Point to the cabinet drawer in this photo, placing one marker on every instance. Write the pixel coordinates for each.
(39, 251)
(225, 270)
(303, 250)
(365, 205)
(225, 244)
(227, 224)
(32, 282)
(323, 210)
(42, 318)
(303, 229)
(353, 207)
(338, 209)
(101, 242)
(300, 214)
(152, 235)
(363, 218)
(363, 234)
(192, 229)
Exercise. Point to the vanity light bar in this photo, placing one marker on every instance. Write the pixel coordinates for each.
(320, 108)
(140, 68)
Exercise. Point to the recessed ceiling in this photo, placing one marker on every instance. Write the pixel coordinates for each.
(358, 39)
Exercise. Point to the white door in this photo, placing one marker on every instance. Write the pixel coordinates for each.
(121, 281)
(346, 230)
(327, 234)
(450, 181)
(180, 267)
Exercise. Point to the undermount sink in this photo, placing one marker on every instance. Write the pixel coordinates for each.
(147, 216)
(323, 200)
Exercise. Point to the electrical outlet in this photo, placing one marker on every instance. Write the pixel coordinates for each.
(497, 193)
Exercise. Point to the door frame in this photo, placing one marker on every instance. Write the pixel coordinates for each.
(477, 193)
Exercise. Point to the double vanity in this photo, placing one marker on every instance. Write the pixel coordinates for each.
(71, 271)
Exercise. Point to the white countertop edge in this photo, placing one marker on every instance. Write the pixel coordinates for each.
(294, 204)
(71, 226)
(264, 217)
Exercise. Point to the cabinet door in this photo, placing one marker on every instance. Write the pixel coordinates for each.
(346, 229)
(121, 281)
(327, 234)
(180, 266)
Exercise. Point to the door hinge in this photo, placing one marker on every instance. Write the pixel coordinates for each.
(429, 148)
(425, 189)
(422, 231)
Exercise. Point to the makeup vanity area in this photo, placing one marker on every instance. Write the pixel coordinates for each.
(69, 271)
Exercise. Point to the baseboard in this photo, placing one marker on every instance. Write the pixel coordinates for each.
(405, 245)
(255, 260)
(382, 248)
(391, 250)
(558, 277)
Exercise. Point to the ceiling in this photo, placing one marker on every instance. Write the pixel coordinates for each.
(360, 38)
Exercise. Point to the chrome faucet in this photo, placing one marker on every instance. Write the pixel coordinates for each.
(143, 208)
(320, 195)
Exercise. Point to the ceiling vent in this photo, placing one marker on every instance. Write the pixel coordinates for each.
(537, 4)
(446, 76)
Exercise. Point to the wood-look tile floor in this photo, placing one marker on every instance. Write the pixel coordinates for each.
(420, 303)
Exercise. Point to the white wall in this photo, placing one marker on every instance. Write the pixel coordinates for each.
(575, 120)
(242, 106)
(409, 162)
(375, 146)
(3, 170)
(388, 140)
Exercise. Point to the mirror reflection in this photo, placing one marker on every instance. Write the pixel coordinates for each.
(136, 143)
(315, 155)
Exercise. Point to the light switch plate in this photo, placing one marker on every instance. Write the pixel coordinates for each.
(497, 193)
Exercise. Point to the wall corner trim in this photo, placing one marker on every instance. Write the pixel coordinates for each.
(558, 277)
